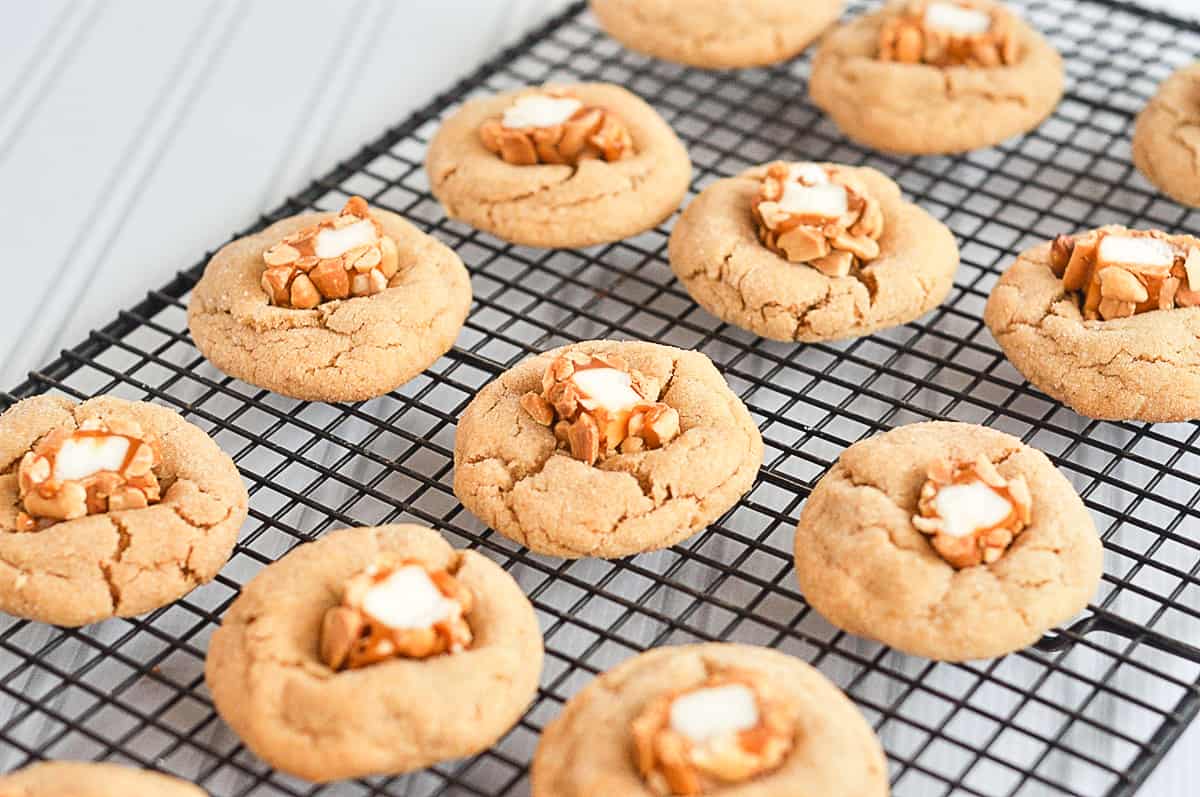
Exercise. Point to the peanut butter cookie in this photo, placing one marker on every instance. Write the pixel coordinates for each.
(709, 719)
(807, 251)
(946, 540)
(374, 651)
(936, 76)
(330, 307)
(1106, 322)
(1166, 141)
(717, 34)
(109, 508)
(86, 779)
(605, 449)
(559, 166)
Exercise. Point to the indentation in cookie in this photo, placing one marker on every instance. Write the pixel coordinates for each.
(99, 467)
(597, 405)
(970, 511)
(974, 33)
(348, 255)
(554, 126)
(727, 730)
(1119, 273)
(817, 214)
(396, 608)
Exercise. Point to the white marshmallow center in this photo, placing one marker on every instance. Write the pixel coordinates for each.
(408, 598)
(335, 243)
(956, 19)
(540, 110)
(1135, 251)
(809, 173)
(965, 508)
(828, 200)
(80, 457)
(606, 388)
(707, 713)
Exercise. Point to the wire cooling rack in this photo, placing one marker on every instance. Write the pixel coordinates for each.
(1088, 711)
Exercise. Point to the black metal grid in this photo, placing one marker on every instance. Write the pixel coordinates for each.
(1090, 710)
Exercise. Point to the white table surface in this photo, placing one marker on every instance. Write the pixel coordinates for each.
(137, 134)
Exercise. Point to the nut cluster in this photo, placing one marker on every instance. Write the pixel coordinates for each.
(590, 133)
(671, 762)
(984, 544)
(831, 244)
(65, 477)
(352, 638)
(329, 261)
(914, 36)
(592, 422)
(1112, 288)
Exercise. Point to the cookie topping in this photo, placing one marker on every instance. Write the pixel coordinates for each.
(821, 215)
(727, 730)
(597, 406)
(1121, 272)
(956, 19)
(396, 608)
(345, 256)
(972, 512)
(539, 110)
(975, 33)
(101, 466)
(552, 126)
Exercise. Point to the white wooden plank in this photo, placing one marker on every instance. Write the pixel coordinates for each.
(33, 54)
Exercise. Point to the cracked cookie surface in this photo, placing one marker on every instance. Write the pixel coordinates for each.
(587, 750)
(716, 253)
(920, 109)
(510, 473)
(557, 205)
(1145, 367)
(269, 684)
(121, 563)
(1166, 141)
(865, 567)
(348, 350)
(717, 34)
(88, 779)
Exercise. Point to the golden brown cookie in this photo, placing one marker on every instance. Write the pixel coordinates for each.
(540, 200)
(717, 34)
(925, 108)
(913, 540)
(720, 256)
(793, 732)
(394, 710)
(350, 348)
(133, 538)
(86, 779)
(1090, 350)
(1166, 141)
(528, 476)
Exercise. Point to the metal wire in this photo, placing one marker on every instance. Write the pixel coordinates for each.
(1089, 710)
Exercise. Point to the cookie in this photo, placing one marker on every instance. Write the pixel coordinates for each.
(1106, 329)
(709, 718)
(1167, 137)
(916, 80)
(946, 540)
(811, 252)
(109, 508)
(374, 651)
(717, 34)
(330, 307)
(559, 166)
(86, 779)
(605, 449)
